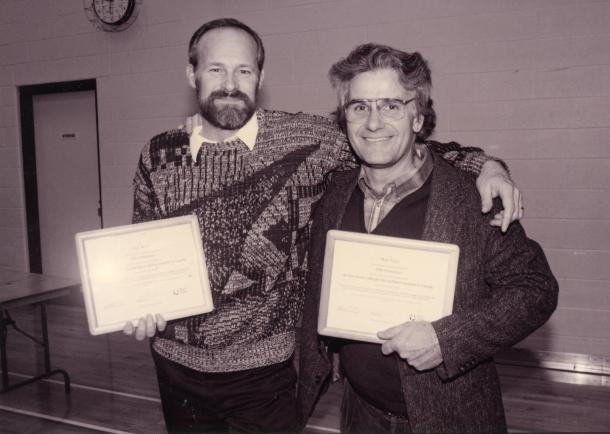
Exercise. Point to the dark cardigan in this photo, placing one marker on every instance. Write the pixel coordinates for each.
(504, 291)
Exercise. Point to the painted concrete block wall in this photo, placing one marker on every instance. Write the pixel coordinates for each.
(528, 80)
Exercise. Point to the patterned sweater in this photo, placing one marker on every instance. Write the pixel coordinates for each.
(254, 210)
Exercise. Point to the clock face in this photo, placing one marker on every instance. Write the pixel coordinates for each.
(112, 15)
(113, 11)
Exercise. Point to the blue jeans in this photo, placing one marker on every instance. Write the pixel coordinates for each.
(360, 417)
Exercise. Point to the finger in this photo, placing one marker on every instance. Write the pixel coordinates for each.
(128, 328)
(388, 333)
(497, 219)
(151, 327)
(161, 323)
(521, 207)
(386, 348)
(404, 351)
(509, 206)
(141, 329)
(428, 359)
(419, 355)
(517, 202)
(422, 363)
(416, 364)
(486, 200)
(410, 354)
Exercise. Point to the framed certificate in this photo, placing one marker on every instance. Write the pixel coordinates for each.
(373, 282)
(153, 267)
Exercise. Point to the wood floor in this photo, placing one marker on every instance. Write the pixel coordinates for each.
(114, 388)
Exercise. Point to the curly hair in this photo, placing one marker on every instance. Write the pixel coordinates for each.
(413, 72)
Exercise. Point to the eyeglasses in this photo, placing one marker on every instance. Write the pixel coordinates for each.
(388, 108)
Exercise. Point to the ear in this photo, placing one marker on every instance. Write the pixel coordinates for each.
(260, 79)
(418, 123)
(190, 76)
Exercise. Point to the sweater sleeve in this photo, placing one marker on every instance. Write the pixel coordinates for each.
(469, 159)
(346, 157)
(144, 198)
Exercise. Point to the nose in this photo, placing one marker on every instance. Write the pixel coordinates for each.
(229, 83)
(374, 121)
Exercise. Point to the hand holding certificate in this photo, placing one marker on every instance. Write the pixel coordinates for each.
(130, 271)
(373, 282)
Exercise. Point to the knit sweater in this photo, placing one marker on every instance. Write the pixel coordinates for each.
(254, 209)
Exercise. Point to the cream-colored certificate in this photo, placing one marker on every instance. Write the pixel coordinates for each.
(373, 282)
(130, 271)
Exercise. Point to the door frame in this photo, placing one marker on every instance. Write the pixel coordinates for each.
(28, 149)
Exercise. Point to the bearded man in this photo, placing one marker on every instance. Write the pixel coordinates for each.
(252, 177)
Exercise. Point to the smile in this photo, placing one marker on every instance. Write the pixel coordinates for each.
(229, 100)
(376, 139)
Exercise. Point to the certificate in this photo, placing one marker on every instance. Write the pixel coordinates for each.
(373, 282)
(153, 267)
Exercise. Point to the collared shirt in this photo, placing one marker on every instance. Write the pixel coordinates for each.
(246, 134)
(377, 206)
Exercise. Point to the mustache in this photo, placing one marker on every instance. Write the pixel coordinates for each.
(224, 93)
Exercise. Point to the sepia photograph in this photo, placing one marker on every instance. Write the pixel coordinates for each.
(304, 216)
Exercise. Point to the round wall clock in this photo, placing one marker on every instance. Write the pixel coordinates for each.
(112, 15)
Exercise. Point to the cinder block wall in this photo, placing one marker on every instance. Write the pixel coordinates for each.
(528, 80)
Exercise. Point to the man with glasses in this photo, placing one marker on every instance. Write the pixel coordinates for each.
(252, 177)
(426, 376)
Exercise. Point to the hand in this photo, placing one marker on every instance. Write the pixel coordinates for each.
(414, 341)
(147, 327)
(191, 122)
(493, 181)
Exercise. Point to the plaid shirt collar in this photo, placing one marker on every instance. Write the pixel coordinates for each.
(377, 206)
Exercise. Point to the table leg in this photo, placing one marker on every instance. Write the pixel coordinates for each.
(47, 350)
(3, 351)
(45, 337)
(6, 320)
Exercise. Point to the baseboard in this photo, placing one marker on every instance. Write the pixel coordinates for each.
(569, 362)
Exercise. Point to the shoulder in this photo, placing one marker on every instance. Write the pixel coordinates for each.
(442, 147)
(165, 146)
(449, 174)
(299, 124)
(455, 185)
(339, 185)
(282, 117)
(169, 140)
(452, 148)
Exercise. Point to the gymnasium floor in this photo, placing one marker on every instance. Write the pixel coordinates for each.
(114, 387)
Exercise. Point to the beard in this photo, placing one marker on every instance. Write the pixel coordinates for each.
(227, 116)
